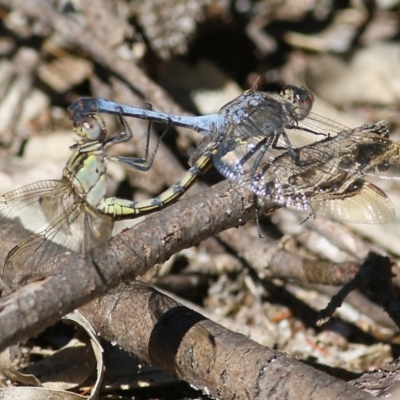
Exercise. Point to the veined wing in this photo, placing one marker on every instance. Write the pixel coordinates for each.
(20, 209)
(365, 150)
(48, 220)
(254, 163)
(330, 193)
(54, 216)
(320, 186)
(365, 153)
(360, 202)
(360, 151)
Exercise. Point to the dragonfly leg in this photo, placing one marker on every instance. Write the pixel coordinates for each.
(257, 212)
(122, 137)
(141, 163)
(289, 148)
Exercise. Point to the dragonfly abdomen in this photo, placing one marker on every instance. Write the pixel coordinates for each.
(125, 209)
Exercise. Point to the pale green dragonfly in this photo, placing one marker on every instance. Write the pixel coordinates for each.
(47, 217)
(73, 213)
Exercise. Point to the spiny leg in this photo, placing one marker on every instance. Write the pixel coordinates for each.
(141, 163)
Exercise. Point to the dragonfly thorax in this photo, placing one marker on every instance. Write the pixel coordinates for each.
(89, 180)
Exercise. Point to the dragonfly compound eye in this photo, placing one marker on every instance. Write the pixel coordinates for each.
(301, 101)
(91, 127)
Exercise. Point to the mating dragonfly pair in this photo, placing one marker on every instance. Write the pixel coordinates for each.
(266, 142)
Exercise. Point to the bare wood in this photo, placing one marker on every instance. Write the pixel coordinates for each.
(210, 357)
(271, 260)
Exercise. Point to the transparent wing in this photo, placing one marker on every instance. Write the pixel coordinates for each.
(21, 212)
(364, 153)
(328, 180)
(205, 145)
(361, 203)
(360, 151)
(47, 218)
(270, 173)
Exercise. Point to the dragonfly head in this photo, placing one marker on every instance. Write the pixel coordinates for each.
(300, 99)
(90, 128)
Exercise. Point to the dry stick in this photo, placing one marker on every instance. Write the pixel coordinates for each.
(341, 236)
(270, 260)
(363, 305)
(383, 382)
(375, 275)
(210, 357)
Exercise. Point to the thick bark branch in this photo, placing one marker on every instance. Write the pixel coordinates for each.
(74, 281)
(210, 357)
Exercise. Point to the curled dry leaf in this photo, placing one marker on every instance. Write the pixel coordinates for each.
(67, 368)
